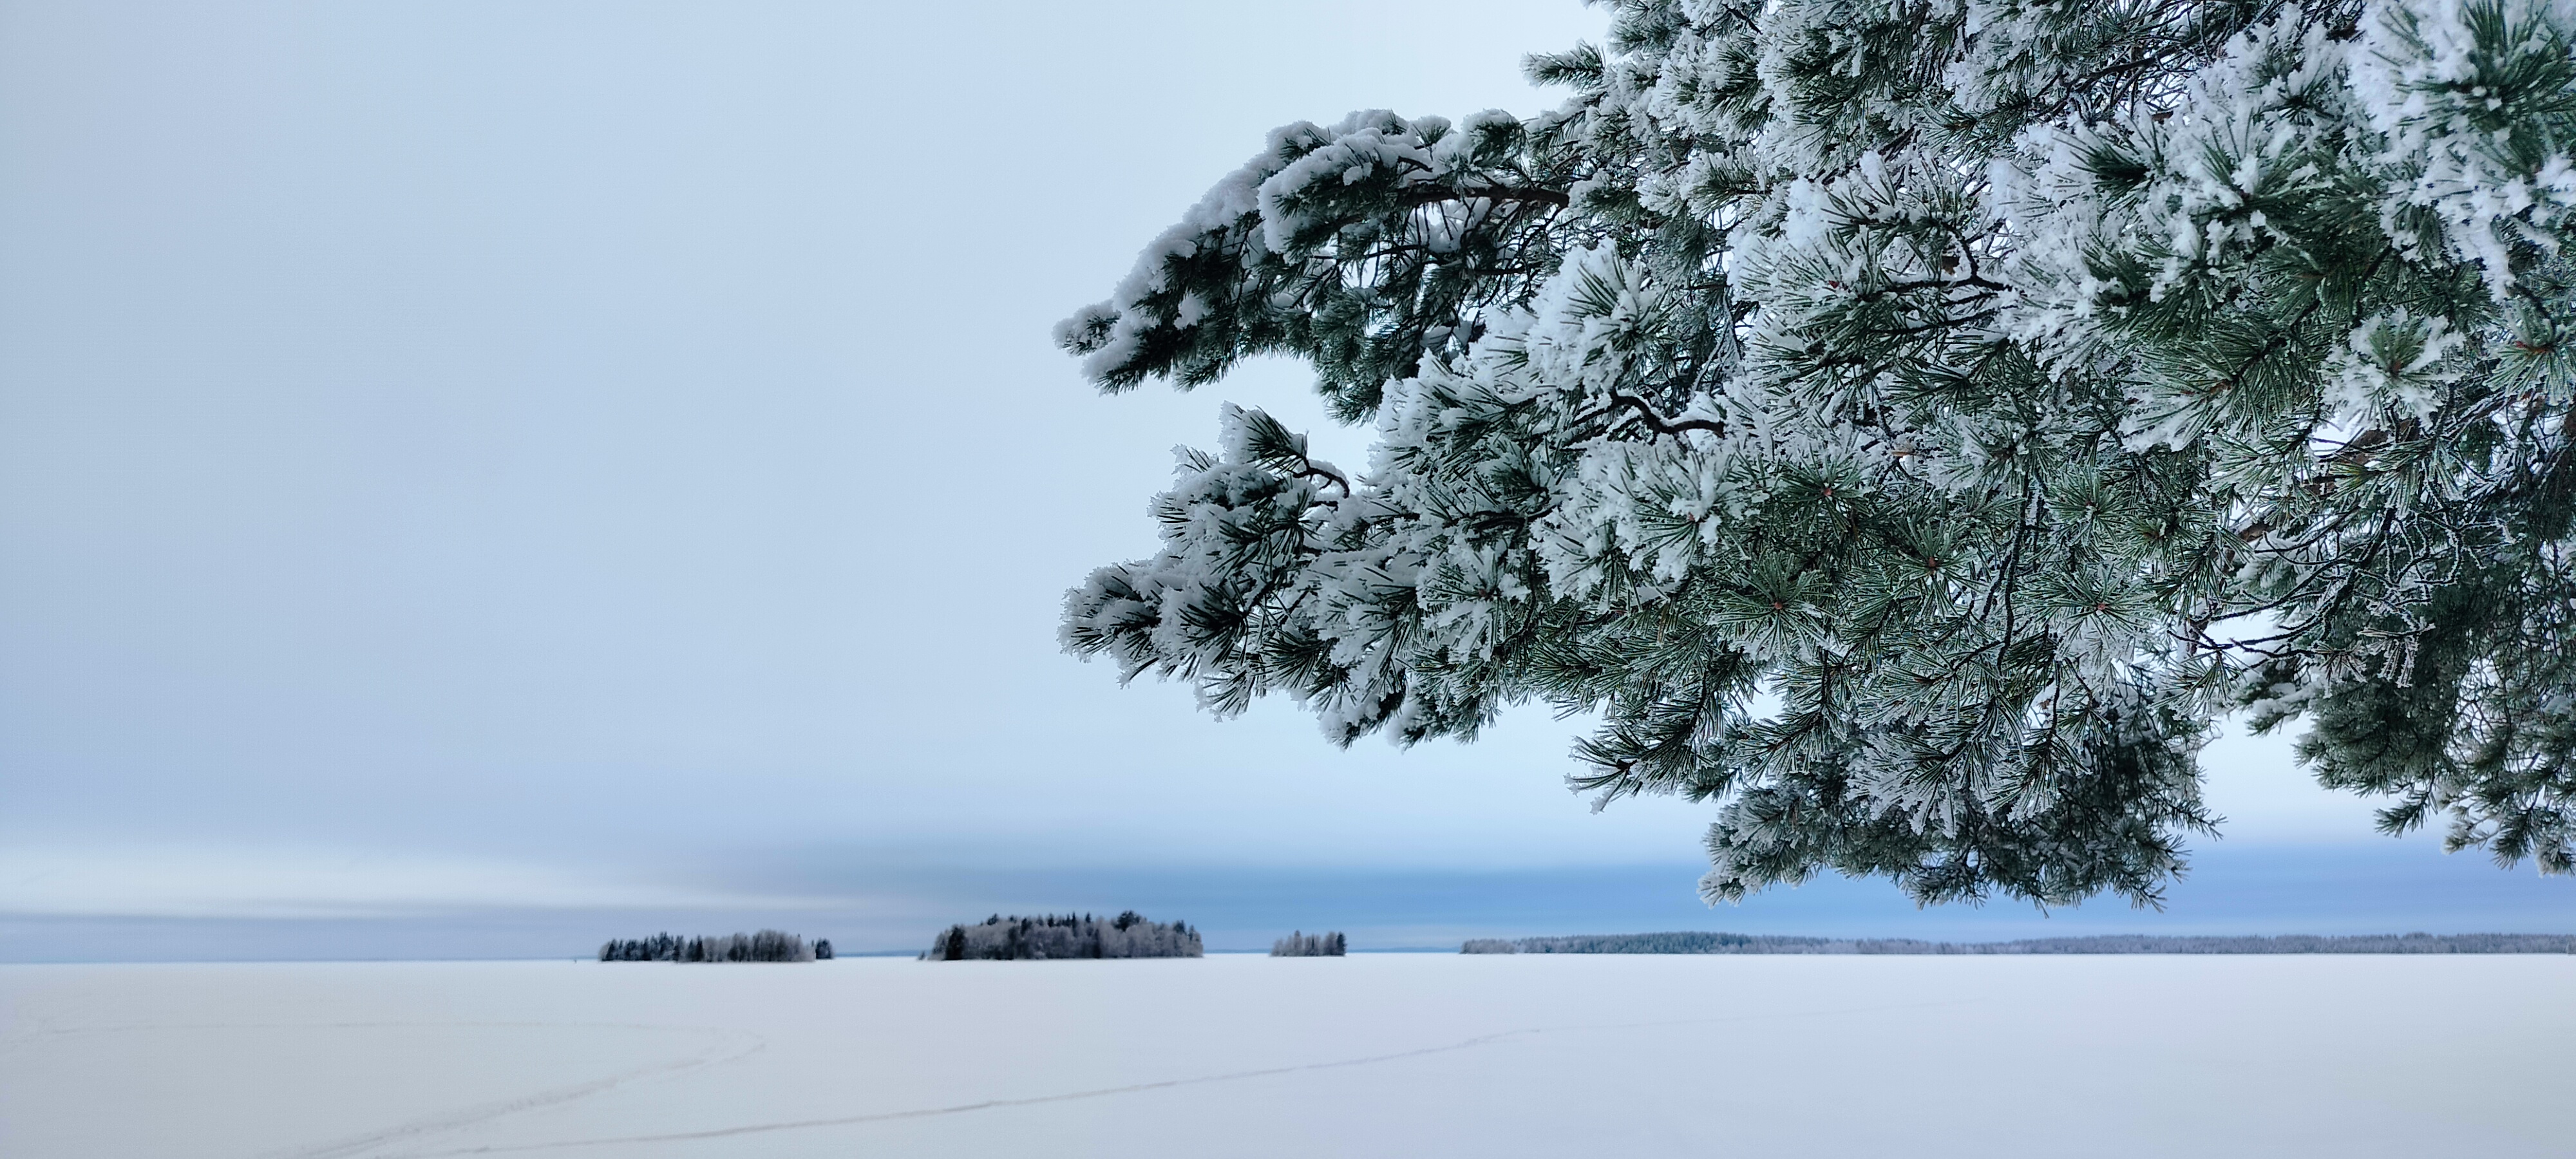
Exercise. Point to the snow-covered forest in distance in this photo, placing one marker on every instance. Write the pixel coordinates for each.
(1300, 944)
(1725, 943)
(764, 946)
(1128, 935)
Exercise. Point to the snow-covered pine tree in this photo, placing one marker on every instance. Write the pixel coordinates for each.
(1907, 424)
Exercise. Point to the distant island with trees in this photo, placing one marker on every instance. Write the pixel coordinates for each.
(1129, 935)
(1692, 942)
(765, 946)
(1305, 945)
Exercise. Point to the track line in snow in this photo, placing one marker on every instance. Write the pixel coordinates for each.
(1134, 1088)
(963, 1108)
(715, 1052)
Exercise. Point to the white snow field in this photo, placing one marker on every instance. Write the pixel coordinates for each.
(1413, 1055)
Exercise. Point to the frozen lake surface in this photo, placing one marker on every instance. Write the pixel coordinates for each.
(1247, 1056)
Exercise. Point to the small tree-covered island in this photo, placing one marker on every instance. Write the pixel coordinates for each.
(1128, 935)
(1301, 944)
(765, 946)
(1909, 427)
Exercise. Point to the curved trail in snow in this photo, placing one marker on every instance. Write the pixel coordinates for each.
(961, 1108)
(1133, 1088)
(717, 1051)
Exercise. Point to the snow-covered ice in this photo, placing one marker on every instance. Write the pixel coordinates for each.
(1238, 1055)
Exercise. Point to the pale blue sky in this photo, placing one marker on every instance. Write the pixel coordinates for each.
(545, 468)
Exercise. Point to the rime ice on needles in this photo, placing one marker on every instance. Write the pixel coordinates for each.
(1907, 425)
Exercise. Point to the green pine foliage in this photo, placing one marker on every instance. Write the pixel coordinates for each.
(1908, 426)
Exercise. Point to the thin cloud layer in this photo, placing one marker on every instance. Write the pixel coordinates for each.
(286, 883)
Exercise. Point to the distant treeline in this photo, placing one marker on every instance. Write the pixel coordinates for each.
(1718, 943)
(1128, 935)
(1305, 945)
(765, 946)
(1673, 943)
